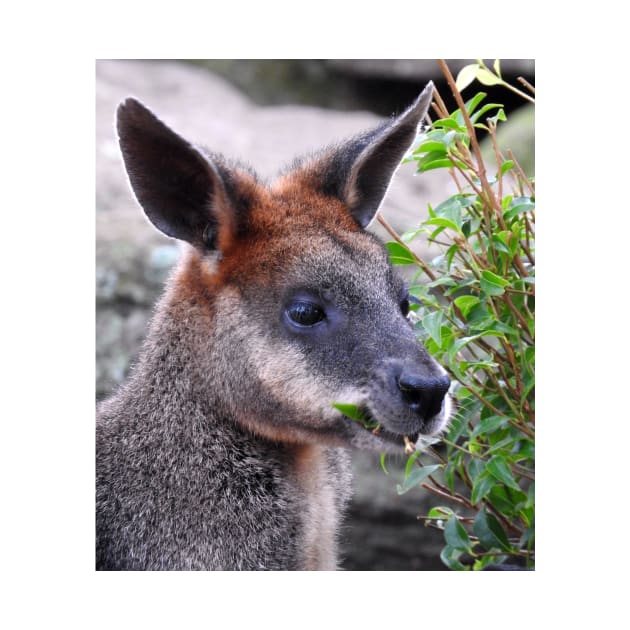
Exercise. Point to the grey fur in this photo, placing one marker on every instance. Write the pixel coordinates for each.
(222, 450)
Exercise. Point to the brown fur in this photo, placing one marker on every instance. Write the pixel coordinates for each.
(223, 449)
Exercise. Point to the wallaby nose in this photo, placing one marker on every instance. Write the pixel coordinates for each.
(423, 394)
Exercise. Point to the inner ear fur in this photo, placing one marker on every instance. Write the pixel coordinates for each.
(360, 170)
(181, 191)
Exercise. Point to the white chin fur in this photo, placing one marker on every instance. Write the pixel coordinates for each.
(441, 424)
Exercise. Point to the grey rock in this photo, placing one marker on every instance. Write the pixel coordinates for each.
(420, 69)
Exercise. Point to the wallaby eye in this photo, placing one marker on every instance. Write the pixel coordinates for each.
(305, 313)
(404, 306)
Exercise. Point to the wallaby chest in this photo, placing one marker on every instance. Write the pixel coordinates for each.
(323, 476)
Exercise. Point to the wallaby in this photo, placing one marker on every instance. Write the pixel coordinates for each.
(222, 450)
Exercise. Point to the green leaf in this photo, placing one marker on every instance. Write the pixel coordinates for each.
(434, 234)
(464, 341)
(399, 254)
(499, 242)
(433, 163)
(439, 282)
(416, 476)
(489, 425)
(410, 235)
(447, 208)
(465, 302)
(450, 254)
(500, 470)
(431, 146)
(475, 468)
(412, 458)
(452, 209)
(350, 411)
(506, 500)
(456, 426)
(486, 77)
(481, 487)
(497, 66)
(531, 494)
(449, 123)
(518, 206)
(440, 512)
(471, 105)
(444, 222)
(383, 464)
(491, 284)
(432, 323)
(501, 445)
(354, 413)
(449, 475)
(486, 108)
(450, 557)
(466, 76)
(483, 562)
(527, 451)
(506, 166)
(451, 138)
(500, 115)
(455, 535)
(530, 355)
(527, 537)
(490, 533)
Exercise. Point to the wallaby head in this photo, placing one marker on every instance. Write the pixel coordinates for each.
(284, 303)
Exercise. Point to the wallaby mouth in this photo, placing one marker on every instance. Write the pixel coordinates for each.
(377, 429)
(403, 425)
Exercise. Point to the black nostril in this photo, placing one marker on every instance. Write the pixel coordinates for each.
(423, 394)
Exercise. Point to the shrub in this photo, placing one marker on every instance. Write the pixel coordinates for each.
(474, 312)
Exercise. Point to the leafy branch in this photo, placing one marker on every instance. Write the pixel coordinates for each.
(475, 314)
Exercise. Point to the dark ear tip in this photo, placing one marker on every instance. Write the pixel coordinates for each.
(418, 109)
(132, 110)
(426, 95)
(129, 105)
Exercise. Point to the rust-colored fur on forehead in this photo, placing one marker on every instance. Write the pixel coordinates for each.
(290, 211)
(294, 202)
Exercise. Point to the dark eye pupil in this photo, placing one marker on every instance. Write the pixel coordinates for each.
(305, 313)
(404, 307)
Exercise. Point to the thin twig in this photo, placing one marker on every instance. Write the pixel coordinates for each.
(446, 495)
(524, 82)
(521, 172)
(439, 104)
(481, 169)
(394, 235)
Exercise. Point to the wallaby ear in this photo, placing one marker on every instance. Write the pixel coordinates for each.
(179, 189)
(361, 170)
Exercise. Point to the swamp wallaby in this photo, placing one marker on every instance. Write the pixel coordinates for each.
(222, 450)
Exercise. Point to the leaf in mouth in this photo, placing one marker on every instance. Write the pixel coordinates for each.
(359, 415)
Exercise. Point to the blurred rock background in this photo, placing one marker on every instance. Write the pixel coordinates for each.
(266, 113)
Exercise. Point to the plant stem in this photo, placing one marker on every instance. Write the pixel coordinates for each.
(440, 106)
(394, 235)
(525, 326)
(521, 172)
(481, 169)
(447, 495)
(526, 84)
(522, 94)
(505, 84)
